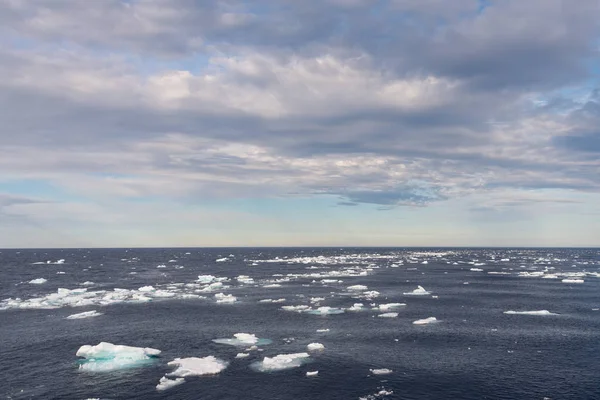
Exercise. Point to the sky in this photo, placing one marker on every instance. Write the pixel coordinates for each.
(158, 123)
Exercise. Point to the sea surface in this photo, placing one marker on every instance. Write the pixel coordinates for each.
(546, 347)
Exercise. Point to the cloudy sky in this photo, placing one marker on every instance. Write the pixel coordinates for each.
(284, 122)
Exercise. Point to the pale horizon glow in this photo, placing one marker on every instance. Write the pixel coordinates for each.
(335, 123)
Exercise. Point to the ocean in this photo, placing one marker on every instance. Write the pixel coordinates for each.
(491, 323)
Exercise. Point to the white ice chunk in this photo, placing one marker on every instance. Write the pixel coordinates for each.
(419, 291)
(476, 270)
(281, 362)
(166, 383)
(86, 314)
(225, 298)
(389, 306)
(325, 310)
(205, 278)
(381, 371)
(315, 347)
(108, 357)
(272, 301)
(146, 289)
(566, 280)
(38, 281)
(243, 339)
(195, 366)
(537, 312)
(323, 330)
(298, 308)
(241, 355)
(312, 373)
(358, 288)
(425, 321)
(388, 315)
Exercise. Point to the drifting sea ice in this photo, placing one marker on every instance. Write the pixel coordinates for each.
(419, 291)
(109, 357)
(567, 280)
(312, 373)
(241, 355)
(315, 347)
(357, 288)
(225, 298)
(85, 314)
(425, 321)
(325, 310)
(195, 366)
(38, 281)
(166, 383)
(381, 371)
(388, 315)
(538, 312)
(243, 339)
(281, 362)
(272, 301)
(389, 306)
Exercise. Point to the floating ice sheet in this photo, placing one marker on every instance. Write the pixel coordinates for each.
(38, 281)
(425, 321)
(381, 371)
(85, 314)
(315, 347)
(281, 362)
(109, 357)
(419, 291)
(165, 383)
(536, 312)
(243, 339)
(195, 366)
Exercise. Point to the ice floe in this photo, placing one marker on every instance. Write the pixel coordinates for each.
(537, 312)
(195, 366)
(357, 287)
(388, 315)
(281, 362)
(566, 280)
(389, 306)
(272, 301)
(425, 321)
(325, 310)
(243, 339)
(165, 383)
(38, 281)
(315, 347)
(242, 355)
(381, 371)
(379, 395)
(419, 291)
(225, 298)
(85, 314)
(312, 373)
(109, 357)
(323, 330)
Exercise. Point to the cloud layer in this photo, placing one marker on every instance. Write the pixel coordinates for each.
(400, 103)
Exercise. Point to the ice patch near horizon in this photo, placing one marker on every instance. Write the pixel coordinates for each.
(242, 355)
(225, 298)
(389, 306)
(357, 287)
(325, 310)
(85, 314)
(195, 366)
(312, 373)
(388, 315)
(381, 371)
(109, 357)
(425, 321)
(570, 280)
(536, 312)
(419, 291)
(281, 362)
(243, 339)
(38, 281)
(272, 301)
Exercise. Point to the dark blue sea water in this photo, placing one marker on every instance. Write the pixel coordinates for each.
(474, 350)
